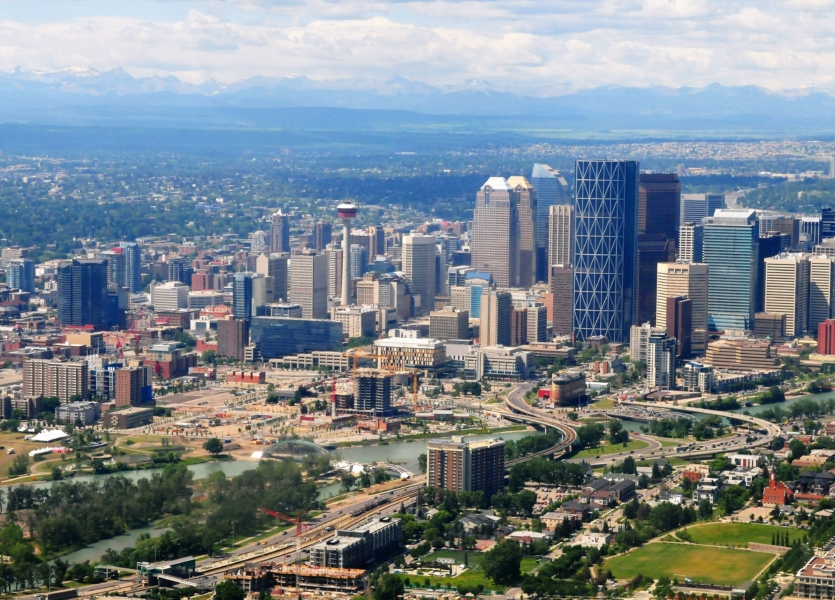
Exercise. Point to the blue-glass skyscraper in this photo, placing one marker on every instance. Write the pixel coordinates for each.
(133, 266)
(551, 188)
(242, 296)
(605, 234)
(731, 248)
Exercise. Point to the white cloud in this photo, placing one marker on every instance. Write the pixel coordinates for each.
(544, 44)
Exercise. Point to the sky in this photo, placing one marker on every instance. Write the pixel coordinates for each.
(539, 46)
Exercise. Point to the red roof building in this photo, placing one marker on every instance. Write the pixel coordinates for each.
(777, 493)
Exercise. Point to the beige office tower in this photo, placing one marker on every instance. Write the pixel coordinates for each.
(309, 284)
(334, 271)
(527, 229)
(419, 269)
(274, 266)
(680, 279)
(787, 290)
(495, 240)
(496, 308)
(560, 236)
(821, 290)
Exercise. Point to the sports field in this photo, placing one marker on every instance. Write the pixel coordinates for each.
(739, 534)
(699, 563)
(632, 444)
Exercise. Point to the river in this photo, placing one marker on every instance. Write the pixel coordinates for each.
(403, 453)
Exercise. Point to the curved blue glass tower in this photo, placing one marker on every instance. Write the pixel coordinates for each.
(605, 217)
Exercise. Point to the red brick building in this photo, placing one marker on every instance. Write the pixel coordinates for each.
(777, 493)
(826, 337)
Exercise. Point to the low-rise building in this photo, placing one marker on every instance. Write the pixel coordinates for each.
(85, 413)
(568, 388)
(358, 547)
(129, 418)
(817, 578)
(498, 362)
(742, 354)
(595, 540)
(407, 353)
(356, 320)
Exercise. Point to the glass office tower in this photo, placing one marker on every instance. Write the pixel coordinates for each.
(605, 218)
(731, 248)
(551, 189)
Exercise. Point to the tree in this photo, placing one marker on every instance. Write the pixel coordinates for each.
(422, 462)
(209, 357)
(213, 446)
(389, 587)
(502, 564)
(629, 466)
(228, 590)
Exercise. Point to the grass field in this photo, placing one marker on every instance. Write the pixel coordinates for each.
(630, 445)
(739, 534)
(701, 564)
(472, 577)
(604, 404)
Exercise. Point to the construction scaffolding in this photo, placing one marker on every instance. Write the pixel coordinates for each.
(323, 579)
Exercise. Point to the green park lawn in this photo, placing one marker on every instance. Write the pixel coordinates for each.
(472, 577)
(739, 534)
(611, 449)
(701, 564)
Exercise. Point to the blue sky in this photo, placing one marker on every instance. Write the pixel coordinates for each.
(540, 46)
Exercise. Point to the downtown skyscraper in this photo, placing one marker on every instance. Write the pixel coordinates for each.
(495, 240)
(551, 190)
(731, 248)
(659, 199)
(528, 211)
(605, 217)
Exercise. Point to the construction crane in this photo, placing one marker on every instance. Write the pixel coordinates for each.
(299, 528)
(383, 358)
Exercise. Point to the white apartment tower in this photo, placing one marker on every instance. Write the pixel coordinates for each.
(560, 236)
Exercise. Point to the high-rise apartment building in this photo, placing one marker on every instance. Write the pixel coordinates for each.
(826, 337)
(659, 198)
(528, 212)
(372, 394)
(359, 261)
(232, 338)
(309, 284)
(12, 252)
(639, 336)
(134, 386)
(496, 310)
(274, 266)
(562, 298)
(605, 236)
(537, 316)
(518, 326)
(20, 274)
(45, 378)
(495, 238)
(692, 281)
(731, 248)
(82, 293)
(551, 189)
(334, 271)
(323, 235)
(449, 323)
(115, 266)
(787, 290)
(279, 233)
(419, 269)
(242, 295)
(690, 242)
(695, 207)
(459, 466)
(133, 266)
(560, 235)
(661, 362)
(821, 290)
(180, 269)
